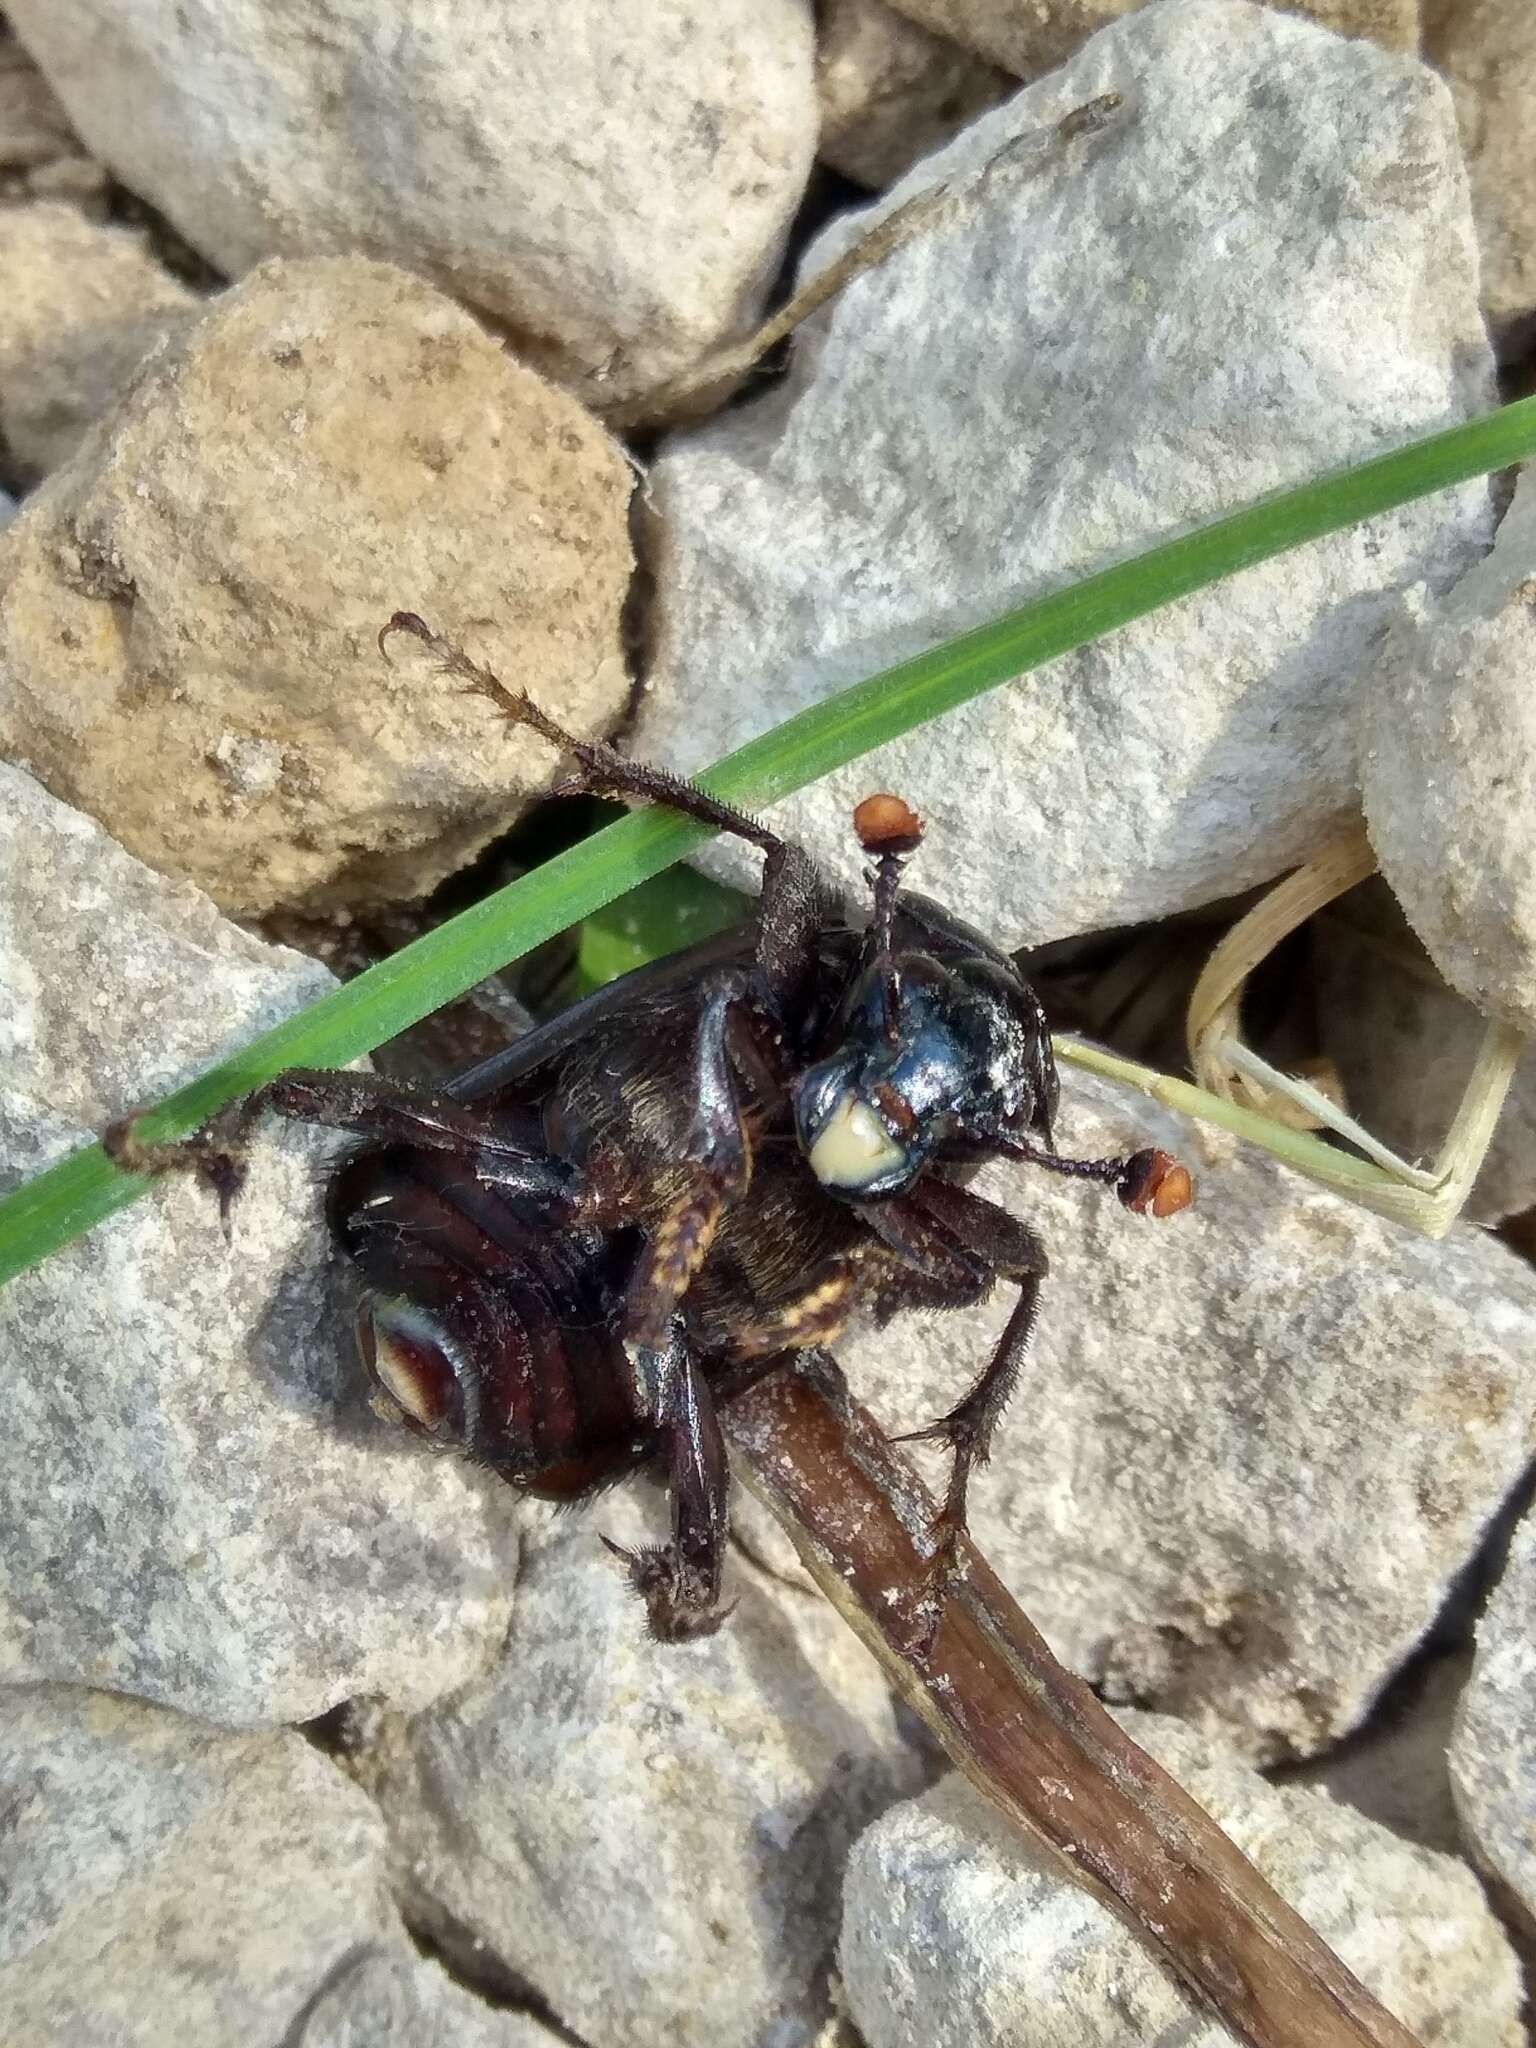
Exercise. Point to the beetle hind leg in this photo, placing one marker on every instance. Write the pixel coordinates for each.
(680, 1581)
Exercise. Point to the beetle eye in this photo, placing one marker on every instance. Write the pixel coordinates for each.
(853, 1149)
(410, 1360)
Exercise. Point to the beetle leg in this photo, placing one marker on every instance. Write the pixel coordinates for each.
(818, 1317)
(366, 1106)
(794, 902)
(1010, 1249)
(939, 1226)
(604, 770)
(680, 1581)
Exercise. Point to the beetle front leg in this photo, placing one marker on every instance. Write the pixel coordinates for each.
(680, 1581)
(794, 903)
(1000, 1244)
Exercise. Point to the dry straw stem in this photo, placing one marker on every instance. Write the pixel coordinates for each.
(1034, 1739)
(1428, 1199)
(707, 385)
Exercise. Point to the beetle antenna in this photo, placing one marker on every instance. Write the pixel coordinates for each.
(889, 830)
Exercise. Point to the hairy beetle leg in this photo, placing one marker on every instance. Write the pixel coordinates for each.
(215, 1153)
(680, 1605)
(363, 1105)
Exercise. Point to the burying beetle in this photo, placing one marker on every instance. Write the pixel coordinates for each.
(572, 1255)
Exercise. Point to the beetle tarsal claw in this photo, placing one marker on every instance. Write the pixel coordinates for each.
(216, 1166)
(679, 1602)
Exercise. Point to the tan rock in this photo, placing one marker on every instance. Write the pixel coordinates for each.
(189, 610)
(890, 92)
(1487, 50)
(1028, 37)
(83, 305)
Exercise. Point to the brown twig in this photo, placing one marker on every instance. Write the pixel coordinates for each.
(1034, 1738)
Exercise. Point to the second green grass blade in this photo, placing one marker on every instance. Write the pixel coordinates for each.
(67, 1199)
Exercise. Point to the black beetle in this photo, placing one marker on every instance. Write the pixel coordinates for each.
(573, 1254)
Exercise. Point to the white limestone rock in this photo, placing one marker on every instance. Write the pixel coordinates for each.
(1493, 1742)
(1447, 727)
(653, 1839)
(958, 1934)
(196, 1506)
(40, 154)
(166, 1881)
(1098, 343)
(1030, 39)
(1396, 1771)
(610, 180)
(1253, 1445)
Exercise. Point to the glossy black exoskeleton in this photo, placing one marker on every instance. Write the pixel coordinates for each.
(571, 1256)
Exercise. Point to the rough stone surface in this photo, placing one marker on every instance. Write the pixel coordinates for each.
(1175, 1494)
(1493, 1743)
(958, 1935)
(890, 92)
(1487, 50)
(166, 1881)
(384, 2000)
(1396, 1771)
(39, 151)
(1097, 343)
(1447, 728)
(613, 182)
(1405, 1044)
(652, 1839)
(83, 305)
(1029, 40)
(189, 610)
(195, 1505)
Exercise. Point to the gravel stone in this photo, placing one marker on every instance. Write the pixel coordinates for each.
(195, 1505)
(610, 180)
(84, 305)
(1447, 727)
(652, 1838)
(166, 1881)
(959, 1935)
(891, 93)
(1096, 344)
(1493, 1743)
(1487, 51)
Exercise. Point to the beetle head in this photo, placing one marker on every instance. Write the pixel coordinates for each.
(928, 1053)
(959, 1063)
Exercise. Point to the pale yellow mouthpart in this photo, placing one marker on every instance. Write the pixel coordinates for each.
(853, 1147)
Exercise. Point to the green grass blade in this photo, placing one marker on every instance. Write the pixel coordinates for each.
(67, 1199)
